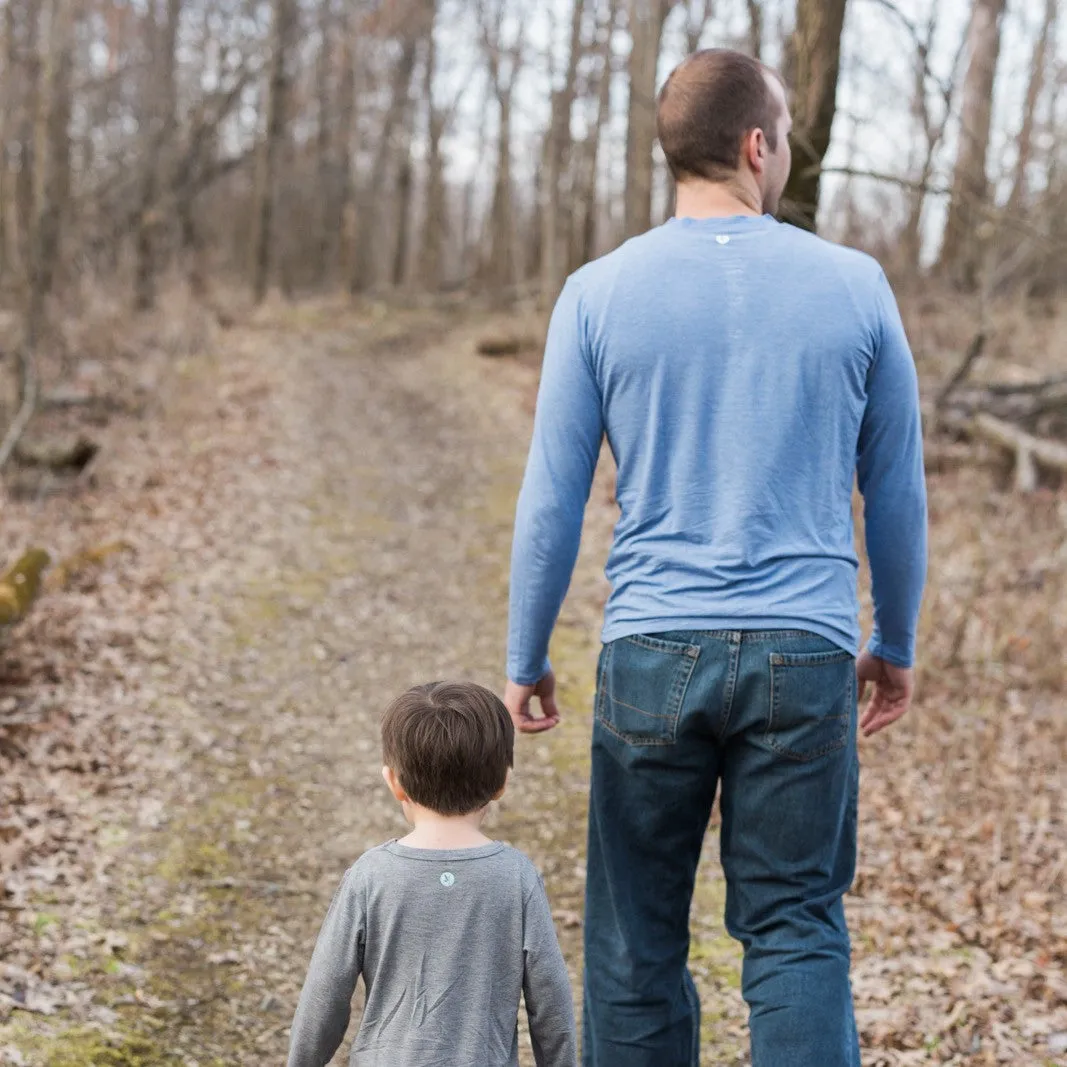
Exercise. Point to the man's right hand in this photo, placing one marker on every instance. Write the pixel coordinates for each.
(893, 688)
(517, 700)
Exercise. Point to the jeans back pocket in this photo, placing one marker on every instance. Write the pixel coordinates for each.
(813, 700)
(641, 686)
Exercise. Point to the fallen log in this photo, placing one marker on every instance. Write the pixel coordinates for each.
(1018, 403)
(499, 346)
(20, 583)
(57, 453)
(61, 574)
(1029, 451)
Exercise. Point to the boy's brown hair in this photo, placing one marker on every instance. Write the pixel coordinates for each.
(450, 744)
(705, 108)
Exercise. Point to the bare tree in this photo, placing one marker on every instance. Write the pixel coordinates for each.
(284, 17)
(1043, 47)
(556, 213)
(160, 122)
(814, 60)
(29, 108)
(588, 164)
(960, 249)
(53, 193)
(324, 139)
(10, 61)
(755, 27)
(367, 213)
(646, 20)
(698, 13)
(435, 223)
(503, 61)
(931, 108)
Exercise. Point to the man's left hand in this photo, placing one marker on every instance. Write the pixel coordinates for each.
(517, 700)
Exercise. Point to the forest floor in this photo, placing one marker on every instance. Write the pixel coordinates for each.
(311, 512)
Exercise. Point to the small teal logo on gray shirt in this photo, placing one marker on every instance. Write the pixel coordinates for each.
(448, 879)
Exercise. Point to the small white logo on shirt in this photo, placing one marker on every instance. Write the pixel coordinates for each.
(723, 239)
(448, 879)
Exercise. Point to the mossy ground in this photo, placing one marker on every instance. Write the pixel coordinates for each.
(371, 552)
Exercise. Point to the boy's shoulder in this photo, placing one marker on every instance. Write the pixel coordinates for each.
(383, 860)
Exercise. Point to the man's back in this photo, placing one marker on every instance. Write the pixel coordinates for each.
(739, 368)
(744, 372)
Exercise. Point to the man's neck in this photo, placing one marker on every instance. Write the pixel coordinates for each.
(698, 199)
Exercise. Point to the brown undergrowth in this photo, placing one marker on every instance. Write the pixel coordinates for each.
(112, 697)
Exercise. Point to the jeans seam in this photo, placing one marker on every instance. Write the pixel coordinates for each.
(731, 685)
(694, 1004)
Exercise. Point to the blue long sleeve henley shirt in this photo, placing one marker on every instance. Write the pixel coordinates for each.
(745, 372)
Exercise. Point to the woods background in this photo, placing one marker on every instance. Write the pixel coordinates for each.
(248, 253)
(497, 144)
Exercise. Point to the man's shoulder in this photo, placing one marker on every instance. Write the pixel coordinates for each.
(607, 267)
(810, 247)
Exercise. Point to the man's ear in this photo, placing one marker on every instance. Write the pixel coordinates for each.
(393, 782)
(756, 150)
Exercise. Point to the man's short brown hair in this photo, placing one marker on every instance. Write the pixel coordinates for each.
(707, 106)
(450, 744)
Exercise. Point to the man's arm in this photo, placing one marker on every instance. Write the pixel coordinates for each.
(568, 428)
(892, 480)
(326, 1000)
(546, 987)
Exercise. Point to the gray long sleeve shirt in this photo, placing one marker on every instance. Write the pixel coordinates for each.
(445, 941)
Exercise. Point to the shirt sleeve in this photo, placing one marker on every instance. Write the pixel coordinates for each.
(546, 986)
(892, 480)
(325, 1004)
(568, 427)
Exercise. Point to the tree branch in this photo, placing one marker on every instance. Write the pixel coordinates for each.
(28, 373)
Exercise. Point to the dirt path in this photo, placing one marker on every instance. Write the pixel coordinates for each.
(321, 516)
(353, 539)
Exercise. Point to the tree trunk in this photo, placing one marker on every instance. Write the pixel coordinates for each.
(698, 14)
(646, 32)
(590, 167)
(53, 141)
(434, 226)
(500, 267)
(10, 63)
(367, 213)
(26, 179)
(348, 116)
(556, 217)
(323, 144)
(815, 59)
(960, 248)
(1025, 140)
(160, 120)
(403, 215)
(755, 28)
(272, 148)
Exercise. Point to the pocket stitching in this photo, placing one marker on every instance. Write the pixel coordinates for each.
(675, 698)
(803, 659)
(659, 644)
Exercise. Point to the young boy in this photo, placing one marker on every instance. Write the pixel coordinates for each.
(446, 927)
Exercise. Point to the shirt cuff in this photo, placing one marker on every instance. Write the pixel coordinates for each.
(897, 654)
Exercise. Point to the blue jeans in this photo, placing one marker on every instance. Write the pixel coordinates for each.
(770, 719)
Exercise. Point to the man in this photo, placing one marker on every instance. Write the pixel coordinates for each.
(744, 372)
